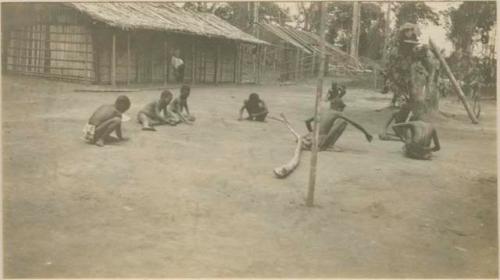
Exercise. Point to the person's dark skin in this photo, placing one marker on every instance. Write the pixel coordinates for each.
(107, 119)
(336, 92)
(257, 116)
(404, 114)
(180, 104)
(332, 126)
(421, 136)
(149, 119)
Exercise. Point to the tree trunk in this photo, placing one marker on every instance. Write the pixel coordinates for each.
(355, 29)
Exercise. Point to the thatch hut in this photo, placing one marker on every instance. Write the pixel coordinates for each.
(298, 51)
(123, 42)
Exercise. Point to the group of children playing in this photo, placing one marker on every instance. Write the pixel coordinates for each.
(108, 118)
(409, 128)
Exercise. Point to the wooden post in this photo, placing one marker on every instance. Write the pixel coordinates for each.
(152, 63)
(193, 63)
(113, 61)
(128, 58)
(297, 58)
(454, 82)
(313, 63)
(263, 62)
(165, 62)
(217, 65)
(235, 62)
(241, 68)
(319, 91)
(255, 19)
(355, 29)
(387, 30)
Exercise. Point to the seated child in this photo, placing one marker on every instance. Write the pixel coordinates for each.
(256, 108)
(104, 121)
(331, 126)
(420, 137)
(179, 104)
(156, 113)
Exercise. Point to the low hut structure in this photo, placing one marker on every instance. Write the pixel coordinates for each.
(123, 43)
(297, 52)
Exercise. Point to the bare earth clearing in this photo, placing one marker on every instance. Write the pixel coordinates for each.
(193, 201)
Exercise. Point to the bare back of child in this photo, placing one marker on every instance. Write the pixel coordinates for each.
(105, 120)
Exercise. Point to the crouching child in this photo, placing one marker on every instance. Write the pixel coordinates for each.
(105, 120)
(255, 107)
(180, 104)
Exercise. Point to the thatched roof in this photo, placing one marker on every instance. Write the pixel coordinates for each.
(162, 17)
(310, 42)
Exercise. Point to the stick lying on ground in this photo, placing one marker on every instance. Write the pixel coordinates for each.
(289, 167)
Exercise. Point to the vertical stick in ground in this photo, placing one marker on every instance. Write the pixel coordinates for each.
(319, 90)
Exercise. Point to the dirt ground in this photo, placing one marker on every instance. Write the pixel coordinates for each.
(202, 201)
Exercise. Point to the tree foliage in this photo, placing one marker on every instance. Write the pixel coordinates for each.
(468, 21)
(339, 29)
(414, 12)
(240, 13)
(467, 26)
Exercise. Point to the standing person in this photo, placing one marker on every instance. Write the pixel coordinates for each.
(255, 107)
(178, 65)
(105, 120)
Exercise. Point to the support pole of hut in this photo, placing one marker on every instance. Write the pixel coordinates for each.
(165, 62)
(319, 91)
(263, 63)
(313, 63)
(454, 82)
(113, 61)
(217, 65)
(297, 64)
(193, 63)
(128, 58)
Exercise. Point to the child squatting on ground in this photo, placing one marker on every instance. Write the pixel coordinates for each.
(179, 105)
(255, 107)
(104, 121)
(156, 113)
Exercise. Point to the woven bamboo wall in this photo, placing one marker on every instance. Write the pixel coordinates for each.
(50, 40)
(248, 65)
(53, 40)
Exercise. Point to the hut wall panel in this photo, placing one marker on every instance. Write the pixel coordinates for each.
(105, 64)
(121, 60)
(52, 43)
(227, 61)
(248, 65)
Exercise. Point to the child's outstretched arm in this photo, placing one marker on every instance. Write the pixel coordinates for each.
(388, 123)
(435, 139)
(308, 124)
(368, 136)
(184, 105)
(241, 112)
